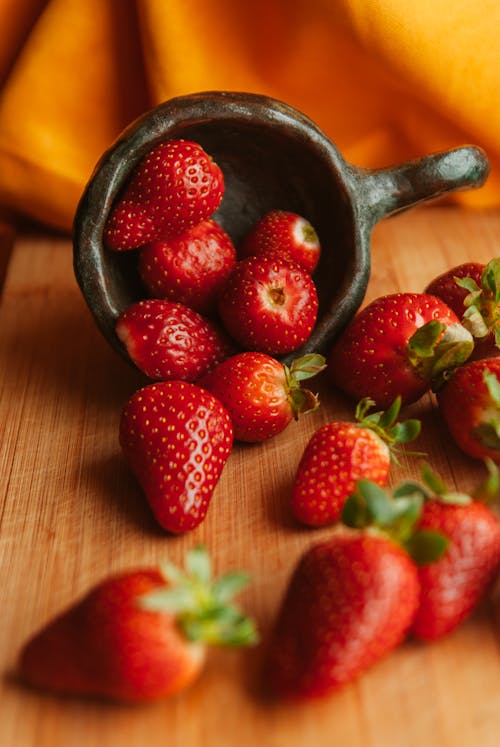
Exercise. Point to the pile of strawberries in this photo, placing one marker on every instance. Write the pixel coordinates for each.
(208, 332)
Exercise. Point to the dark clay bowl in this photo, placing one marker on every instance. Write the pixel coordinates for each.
(272, 156)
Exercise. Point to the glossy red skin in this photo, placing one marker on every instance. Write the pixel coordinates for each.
(445, 287)
(168, 340)
(190, 268)
(105, 645)
(174, 187)
(254, 320)
(454, 585)
(276, 232)
(176, 438)
(465, 402)
(350, 601)
(369, 358)
(252, 387)
(336, 457)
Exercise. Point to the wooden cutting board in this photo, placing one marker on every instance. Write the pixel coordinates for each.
(71, 514)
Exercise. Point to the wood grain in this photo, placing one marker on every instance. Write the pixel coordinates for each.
(71, 514)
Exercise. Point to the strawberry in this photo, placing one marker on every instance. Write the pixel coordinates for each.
(470, 405)
(174, 187)
(176, 438)
(401, 344)
(351, 598)
(269, 304)
(139, 635)
(454, 585)
(339, 454)
(262, 395)
(448, 288)
(472, 290)
(168, 340)
(287, 233)
(349, 602)
(190, 268)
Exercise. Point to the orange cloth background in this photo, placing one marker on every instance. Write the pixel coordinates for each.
(386, 80)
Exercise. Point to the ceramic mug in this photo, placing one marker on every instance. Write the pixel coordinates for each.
(272, 156)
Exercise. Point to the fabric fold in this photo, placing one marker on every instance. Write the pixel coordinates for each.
(386, 81)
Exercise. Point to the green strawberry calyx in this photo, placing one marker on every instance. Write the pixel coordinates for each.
(395, 516)
(436, 349)
(386, 425)
(485, 492)
(487, 432)
(482, 304)
(301, 399)
(201, 604)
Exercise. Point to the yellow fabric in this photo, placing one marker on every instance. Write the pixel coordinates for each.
(387, 80)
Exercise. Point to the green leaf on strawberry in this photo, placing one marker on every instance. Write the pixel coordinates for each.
(482, 302)
(435, 349)
(201, 604)
(303, 400)
(396, 515)
(489, 488)
(385, 423)
(426, 546)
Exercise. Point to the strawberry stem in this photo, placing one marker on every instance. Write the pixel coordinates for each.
(302, 400)
(435, 349)
(396, 516)
(487, 432)
(489, 488)
(201, 604)
(482, 314)
(385, 425)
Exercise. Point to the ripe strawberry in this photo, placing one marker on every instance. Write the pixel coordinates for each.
(472, 290)
(269, 304)
(176, 438)
(168, 340)
(402, 344)
(453, 586)
(138, 636)
(174, 187)
(353, 597)
(448, 288)
(287, 233)
(470, 405)
(339, 454)
(262, 395)
(349, 602)
(190, 268)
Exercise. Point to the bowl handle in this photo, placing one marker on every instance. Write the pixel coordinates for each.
(382, 192)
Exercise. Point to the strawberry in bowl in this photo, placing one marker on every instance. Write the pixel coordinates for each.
(271, 157)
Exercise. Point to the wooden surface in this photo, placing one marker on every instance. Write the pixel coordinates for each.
(71, 514)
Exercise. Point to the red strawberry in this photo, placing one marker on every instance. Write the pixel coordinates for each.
(190, 268)
(176, 438)
(139, 635)
(470, 405)
(350, 601)
(269, 304)
(174, 187)
(447, 288)
(351, 598)
(262, 395)
(339, 454)
(168, 340)
(454, 585)
(472, 290)
(401, 344)
(287, 233)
